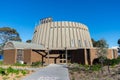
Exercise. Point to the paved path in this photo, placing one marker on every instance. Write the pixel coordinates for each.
(51, 72)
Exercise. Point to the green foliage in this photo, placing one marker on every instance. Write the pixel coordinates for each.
(114, 62)
(18, 64)
(94, 42)
(96, 67)
(110, 62)
(35, 64)
(28, 41)
(7, 33)
(102, 51)
(118, 42)
(16, 71)
(1, 62)
(86, 67)
(81, 67)
(2, 71)
(75, 69)
(99, 43)
(11, 71)
(24, 72)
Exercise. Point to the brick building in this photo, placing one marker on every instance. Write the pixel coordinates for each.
(55, 42)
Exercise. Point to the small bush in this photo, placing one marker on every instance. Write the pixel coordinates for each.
(16, 71)
(18, 64)
(24, 72)
(2, 71)
(10, 70)
(96, 67)
(1, 62)
(86, 67)
(36, 64)
(113, 62)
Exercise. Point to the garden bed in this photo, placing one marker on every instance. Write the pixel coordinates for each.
(84, 73)
(13, 74)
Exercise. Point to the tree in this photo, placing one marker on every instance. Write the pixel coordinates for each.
(28, 41)
(94, 42)
(102, 48)
(6, 34)
(119, 45)
(119, 42)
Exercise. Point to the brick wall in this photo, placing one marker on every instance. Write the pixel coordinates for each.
(27, 56)
(35, 57)
(31, 56)
(111, 53)
(81, 56)
(9, 56)
(51, 60)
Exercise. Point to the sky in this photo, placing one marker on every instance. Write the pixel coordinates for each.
(102, 17)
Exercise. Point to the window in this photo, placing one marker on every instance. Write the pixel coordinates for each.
(19, 55)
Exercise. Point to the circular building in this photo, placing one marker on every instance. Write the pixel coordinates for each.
(55, 42)
(61, 34)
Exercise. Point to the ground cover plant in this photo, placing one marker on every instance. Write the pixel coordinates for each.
(93, 72)
(12, 74)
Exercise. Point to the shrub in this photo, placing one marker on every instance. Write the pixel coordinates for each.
(1, 62)
(10, 70)
(86, 67)
(18, 64)
(96, 67)
(2, 71)
(24, 72)
(113, 62)
(36, 63)
(16, 71)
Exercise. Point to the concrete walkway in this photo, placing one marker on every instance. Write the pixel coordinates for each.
(51, 72)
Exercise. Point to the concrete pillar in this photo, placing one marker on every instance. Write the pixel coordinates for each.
(48, 55)
(66, 54)
(85, 56)
(91, 60)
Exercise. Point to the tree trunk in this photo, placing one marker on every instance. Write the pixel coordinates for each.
(108, 68)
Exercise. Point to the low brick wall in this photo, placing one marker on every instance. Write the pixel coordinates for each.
(9, 56)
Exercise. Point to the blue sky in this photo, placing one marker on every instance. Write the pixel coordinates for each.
(101, 16)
